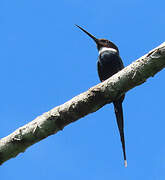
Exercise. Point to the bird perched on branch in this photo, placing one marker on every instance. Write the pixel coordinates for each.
(108, 64)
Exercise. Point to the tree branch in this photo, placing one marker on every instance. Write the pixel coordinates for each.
(90, 101)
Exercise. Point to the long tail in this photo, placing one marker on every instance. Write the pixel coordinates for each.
(120, 122)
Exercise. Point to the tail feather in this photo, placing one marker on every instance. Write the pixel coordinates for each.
(120, 122)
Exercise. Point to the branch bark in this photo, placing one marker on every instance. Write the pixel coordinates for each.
(90, 101)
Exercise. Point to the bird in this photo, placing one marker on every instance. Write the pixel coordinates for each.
(109, 63)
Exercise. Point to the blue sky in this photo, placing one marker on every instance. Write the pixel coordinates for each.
(46, 60)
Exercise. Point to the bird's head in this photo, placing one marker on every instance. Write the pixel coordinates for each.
(100, 42)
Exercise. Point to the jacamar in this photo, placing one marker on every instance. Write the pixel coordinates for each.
(108, 64)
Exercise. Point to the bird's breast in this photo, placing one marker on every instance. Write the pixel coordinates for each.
(109, 64)
(110, 59)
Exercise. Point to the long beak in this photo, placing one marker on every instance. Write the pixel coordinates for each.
(90, 35)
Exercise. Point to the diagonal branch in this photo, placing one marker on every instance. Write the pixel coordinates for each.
(90, 101)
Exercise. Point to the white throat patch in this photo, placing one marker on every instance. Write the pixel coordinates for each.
(107, 49)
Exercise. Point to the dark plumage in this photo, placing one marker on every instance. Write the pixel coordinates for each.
(109, 63)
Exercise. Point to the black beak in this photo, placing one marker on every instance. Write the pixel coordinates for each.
(90, 35)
